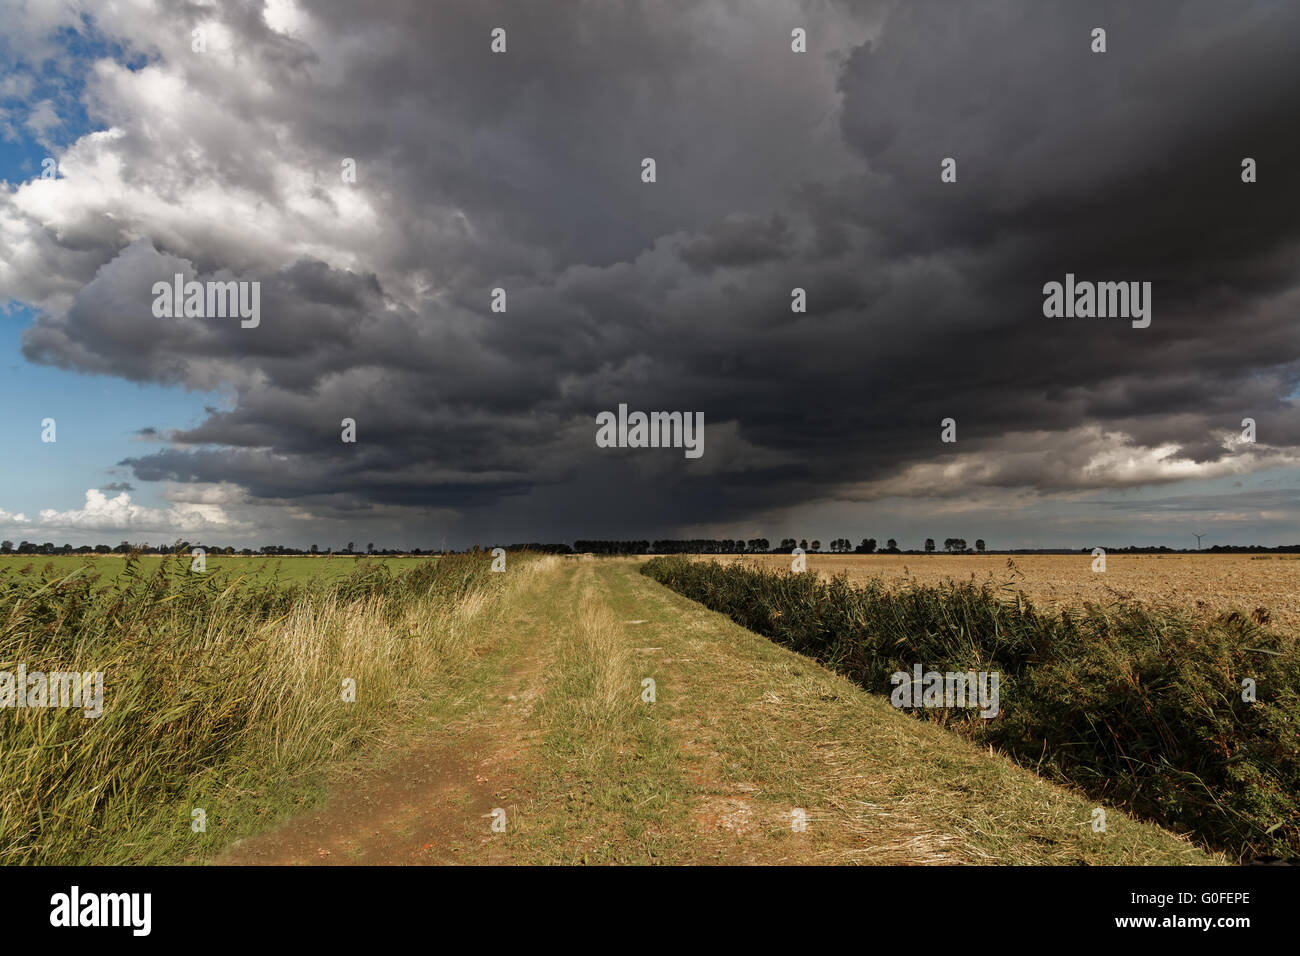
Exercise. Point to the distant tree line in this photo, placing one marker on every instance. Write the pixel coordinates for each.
(662, 546)
(711, 546)
(611, 547)
(184, 547)
(754, 546)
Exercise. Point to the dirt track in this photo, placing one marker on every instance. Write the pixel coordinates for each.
(743, 738)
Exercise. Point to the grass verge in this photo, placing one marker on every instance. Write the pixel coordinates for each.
(1140, 709)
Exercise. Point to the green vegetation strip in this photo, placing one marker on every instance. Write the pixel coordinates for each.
(285, 570)
(1140, 708)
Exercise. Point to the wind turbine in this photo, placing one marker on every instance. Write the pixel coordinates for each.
(1198, 538)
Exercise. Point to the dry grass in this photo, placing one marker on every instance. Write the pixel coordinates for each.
(593, 707)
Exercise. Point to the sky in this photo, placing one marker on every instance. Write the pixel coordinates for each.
(213, 140)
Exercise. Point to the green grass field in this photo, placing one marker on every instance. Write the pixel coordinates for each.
(294, 569)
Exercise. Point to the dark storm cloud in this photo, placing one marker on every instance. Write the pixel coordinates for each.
(775, 171)
(1124, 165)
(737, 241)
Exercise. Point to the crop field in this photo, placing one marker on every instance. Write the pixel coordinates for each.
(1265, 587)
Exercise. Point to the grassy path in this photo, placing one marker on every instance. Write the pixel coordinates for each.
(742, 741)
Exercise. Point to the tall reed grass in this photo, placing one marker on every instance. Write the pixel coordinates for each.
(213, 683)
